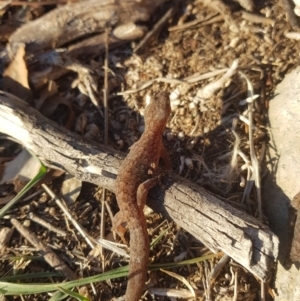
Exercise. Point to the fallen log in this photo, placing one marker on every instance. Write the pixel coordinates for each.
(81, 19)
(218, 225)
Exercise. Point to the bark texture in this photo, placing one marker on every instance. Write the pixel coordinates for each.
(76, 20)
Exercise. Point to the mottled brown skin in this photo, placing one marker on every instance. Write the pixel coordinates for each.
(134, 180)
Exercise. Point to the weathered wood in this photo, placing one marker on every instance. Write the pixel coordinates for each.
(85, 19)
(77, 20)
(48, 254)
(218, 225)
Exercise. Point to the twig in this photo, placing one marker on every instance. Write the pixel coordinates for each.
(197, 77)
(293, 35)
(39, 191)
(174, 81)
(150, 82)
(218, 268)
(68, 215)
(105, 90)
(50, 257)
(5, 235)
(174, 293)
(247, 4)
(262, 291)
(235, 294)
(208, 286)
(211, 88)
(105, 104)
(196, 23)
(255, 18)
(222, 8)
(291, 16)
(41, 3)
(254, 161)
(45, 224)
(155, 30)
(112, 246)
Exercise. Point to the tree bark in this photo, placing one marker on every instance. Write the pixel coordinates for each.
(212, 221)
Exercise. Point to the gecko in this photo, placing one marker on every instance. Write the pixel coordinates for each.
(135, 177)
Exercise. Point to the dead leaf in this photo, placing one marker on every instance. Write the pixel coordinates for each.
(92, 132)
(6, 199)
(6, 30)
(51, 106)
(5, 235)
(4, 5)
(15, 77)
(182, 279)
(70, 189)
(81, 123)
(49, 91)
(52, 174)
(20, 170)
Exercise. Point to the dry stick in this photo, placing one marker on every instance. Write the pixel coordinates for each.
(5, 235)
(194, 23)
(45, 224)
(255, 18)
(205, 290)
(41, 3)
(222, 8)
(105, 100)
(247, 4)
(105, 90)
(291, 16)
(50, 257)
(293, 35)
(112, 246)
(218, 268)
(174, 81)
(175, 293)
(68, 215)
(155, 30)
(33, 195)
(235, 294)
(208, 286)
(254, 162)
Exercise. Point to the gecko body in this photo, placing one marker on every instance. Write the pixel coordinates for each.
(132, 185)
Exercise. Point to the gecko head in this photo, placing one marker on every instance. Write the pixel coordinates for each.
(159, 109)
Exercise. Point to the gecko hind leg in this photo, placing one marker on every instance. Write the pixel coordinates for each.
(118, 226)
(142, 192)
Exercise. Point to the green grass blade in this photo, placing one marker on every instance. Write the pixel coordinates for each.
(41, 173)
(158, 266)
(158, 238)
(7, 288)
(31, 276)
(58, 296)
(73, 294)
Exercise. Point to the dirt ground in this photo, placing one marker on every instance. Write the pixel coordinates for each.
(200, 138)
